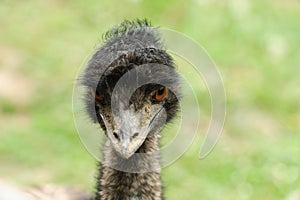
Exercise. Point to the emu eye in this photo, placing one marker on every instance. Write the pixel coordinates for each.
(97, 96)
(161, 93)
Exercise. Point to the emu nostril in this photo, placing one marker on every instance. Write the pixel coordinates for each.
(135, 135)
(116, 135)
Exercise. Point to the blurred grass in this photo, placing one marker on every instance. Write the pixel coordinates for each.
(255, 45)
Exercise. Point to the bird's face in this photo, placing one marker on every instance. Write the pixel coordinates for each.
(129, 111)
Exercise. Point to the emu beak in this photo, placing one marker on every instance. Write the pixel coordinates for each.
(127, 144)
(130, 130)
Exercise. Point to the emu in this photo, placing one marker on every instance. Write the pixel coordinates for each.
(131, 110)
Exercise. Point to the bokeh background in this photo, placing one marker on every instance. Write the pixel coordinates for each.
(255, 45)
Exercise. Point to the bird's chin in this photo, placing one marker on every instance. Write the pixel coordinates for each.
(128, 152)
(126, 155)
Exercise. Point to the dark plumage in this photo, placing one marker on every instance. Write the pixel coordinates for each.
(131, 85)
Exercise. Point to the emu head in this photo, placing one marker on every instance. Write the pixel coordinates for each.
(134, 98)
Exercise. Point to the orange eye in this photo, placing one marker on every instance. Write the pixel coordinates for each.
(97, 95)
(161, 93)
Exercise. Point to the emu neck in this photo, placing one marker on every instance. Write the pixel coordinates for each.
(136, 178)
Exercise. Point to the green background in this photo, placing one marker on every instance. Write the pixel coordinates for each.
(255, 45)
